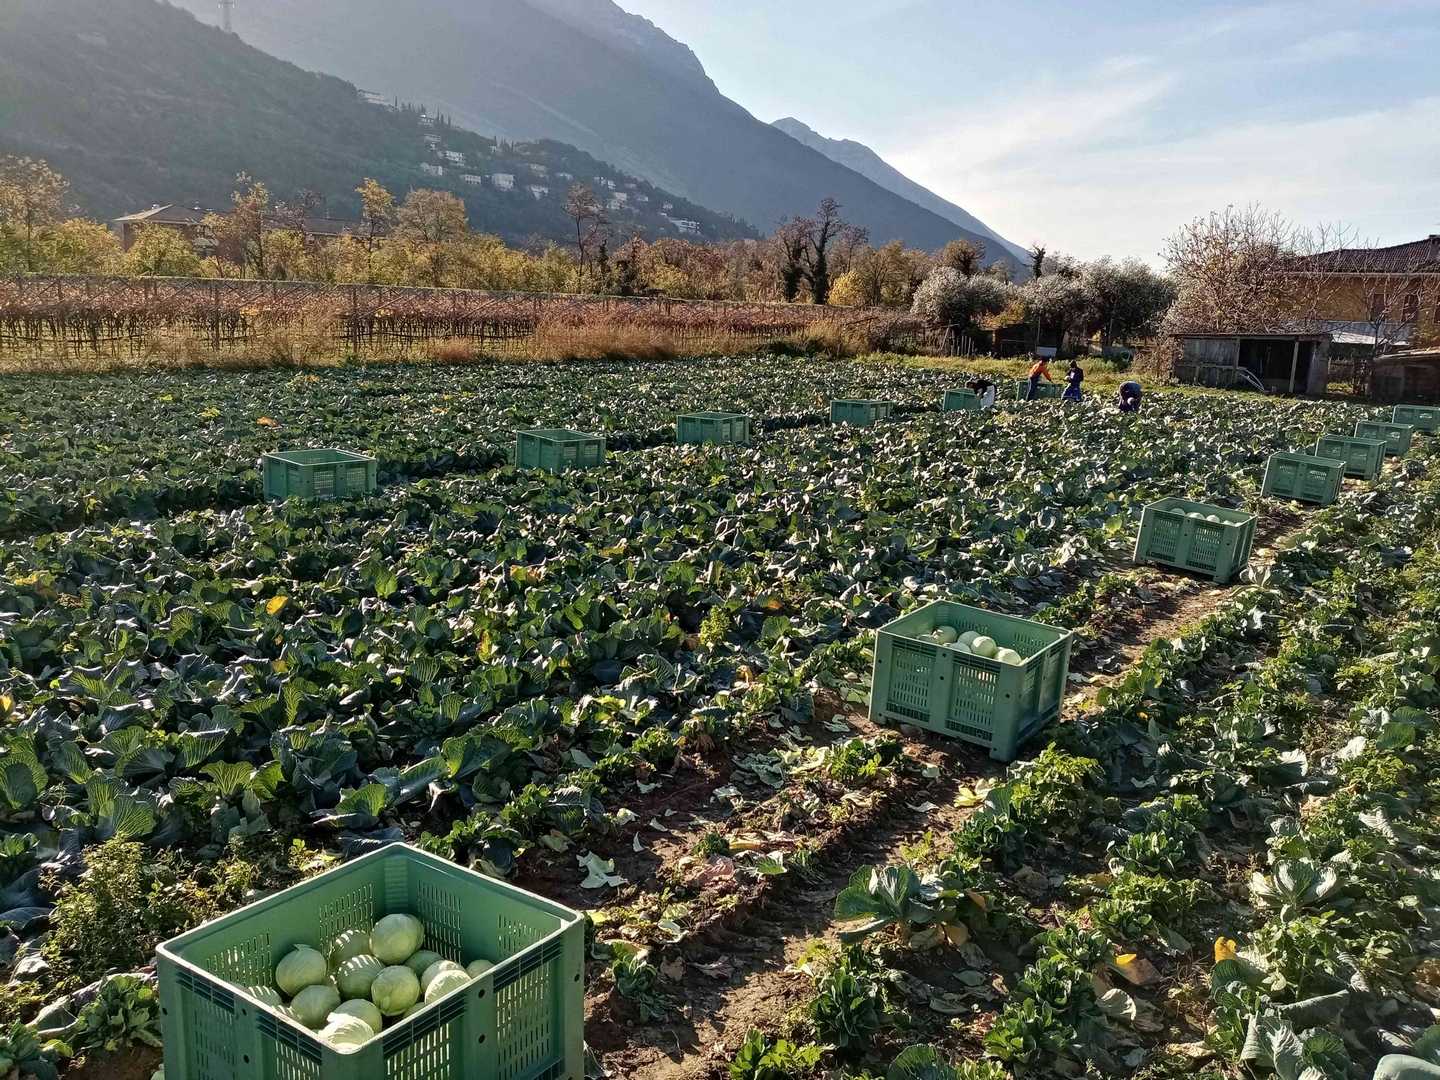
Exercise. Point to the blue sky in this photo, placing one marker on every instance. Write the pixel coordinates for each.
(1096, 126)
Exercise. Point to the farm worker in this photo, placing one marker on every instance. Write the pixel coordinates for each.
(1129, 397)
(1074, 377)
(1040, 370)
(985, 388)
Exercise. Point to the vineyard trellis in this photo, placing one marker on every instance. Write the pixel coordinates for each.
(53, 317)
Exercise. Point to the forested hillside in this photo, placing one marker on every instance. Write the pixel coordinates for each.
(138, 103)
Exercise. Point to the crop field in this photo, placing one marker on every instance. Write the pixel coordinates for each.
(640, 690)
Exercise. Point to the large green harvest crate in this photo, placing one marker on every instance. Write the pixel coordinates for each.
(1424, 418)
(558, 449)
(962, 401)
(1303, 477)
(1042, 391)
(860, 411)
(993, 704)
(1397, 436)
(1177, 532)
(719, 428)
(522, 1020)
(317, 474)
(1363, 458)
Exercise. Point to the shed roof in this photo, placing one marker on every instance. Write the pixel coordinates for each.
(1257, 336)
(1412, 356)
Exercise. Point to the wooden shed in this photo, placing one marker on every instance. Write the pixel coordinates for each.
(1278, 363)
(1411, 378)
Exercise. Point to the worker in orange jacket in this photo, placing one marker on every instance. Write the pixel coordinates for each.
(1041, 370)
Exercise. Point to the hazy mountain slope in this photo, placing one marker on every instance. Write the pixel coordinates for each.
(137, 102)
(524, 68)
(858, 156)
(627, 32)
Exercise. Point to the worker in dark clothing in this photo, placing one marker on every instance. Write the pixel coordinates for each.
(985, 389)
(1073, 378)
(1040, 370)
(1129, 399)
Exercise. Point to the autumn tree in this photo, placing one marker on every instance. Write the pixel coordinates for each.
(161, 252)
(791, 243)
(1234, 273)
(1125, 299)
(821, 232)
(432, 223)
(241, 235)
(1037, 260)
(965, 256)
(947, 298)
(377, 220)
(587, 213)
(1057, 300)
(32, 201)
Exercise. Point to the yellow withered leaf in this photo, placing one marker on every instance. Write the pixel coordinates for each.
(276, 604)
(1224, 949)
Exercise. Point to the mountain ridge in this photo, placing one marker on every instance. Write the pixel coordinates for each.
(862, 159)
(146, 104)
(535, 68)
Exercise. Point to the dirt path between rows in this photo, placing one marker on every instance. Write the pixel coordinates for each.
(744, 978)
(748, 980)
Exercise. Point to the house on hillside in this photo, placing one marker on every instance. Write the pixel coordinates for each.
(433, 141)
(685, 226)
(431, 169)
(1276, 363)
(503, 181)
(190, 222)
(538, 191)
(454, 157)
(536, 169)
(473, 179)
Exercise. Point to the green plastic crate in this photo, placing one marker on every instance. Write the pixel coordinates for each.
(558, 449)
(962, 401)
(718, 428)
(1425, 418)
(861, 412)
(1397, 436)
(522, 1020)
(317, 474)
(1171, 537)
(986, 702)
(1304, 477)
(1363, 458)
(1042, 392)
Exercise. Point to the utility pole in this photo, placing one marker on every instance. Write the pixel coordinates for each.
(227, 9)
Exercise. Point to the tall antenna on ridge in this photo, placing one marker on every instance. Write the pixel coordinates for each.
(227, 9)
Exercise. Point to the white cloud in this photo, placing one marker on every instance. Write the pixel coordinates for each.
(1336, 45)
(1044, 123)
(1376, 170)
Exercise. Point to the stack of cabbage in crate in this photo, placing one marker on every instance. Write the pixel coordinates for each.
(972, 644)
(364, 980)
